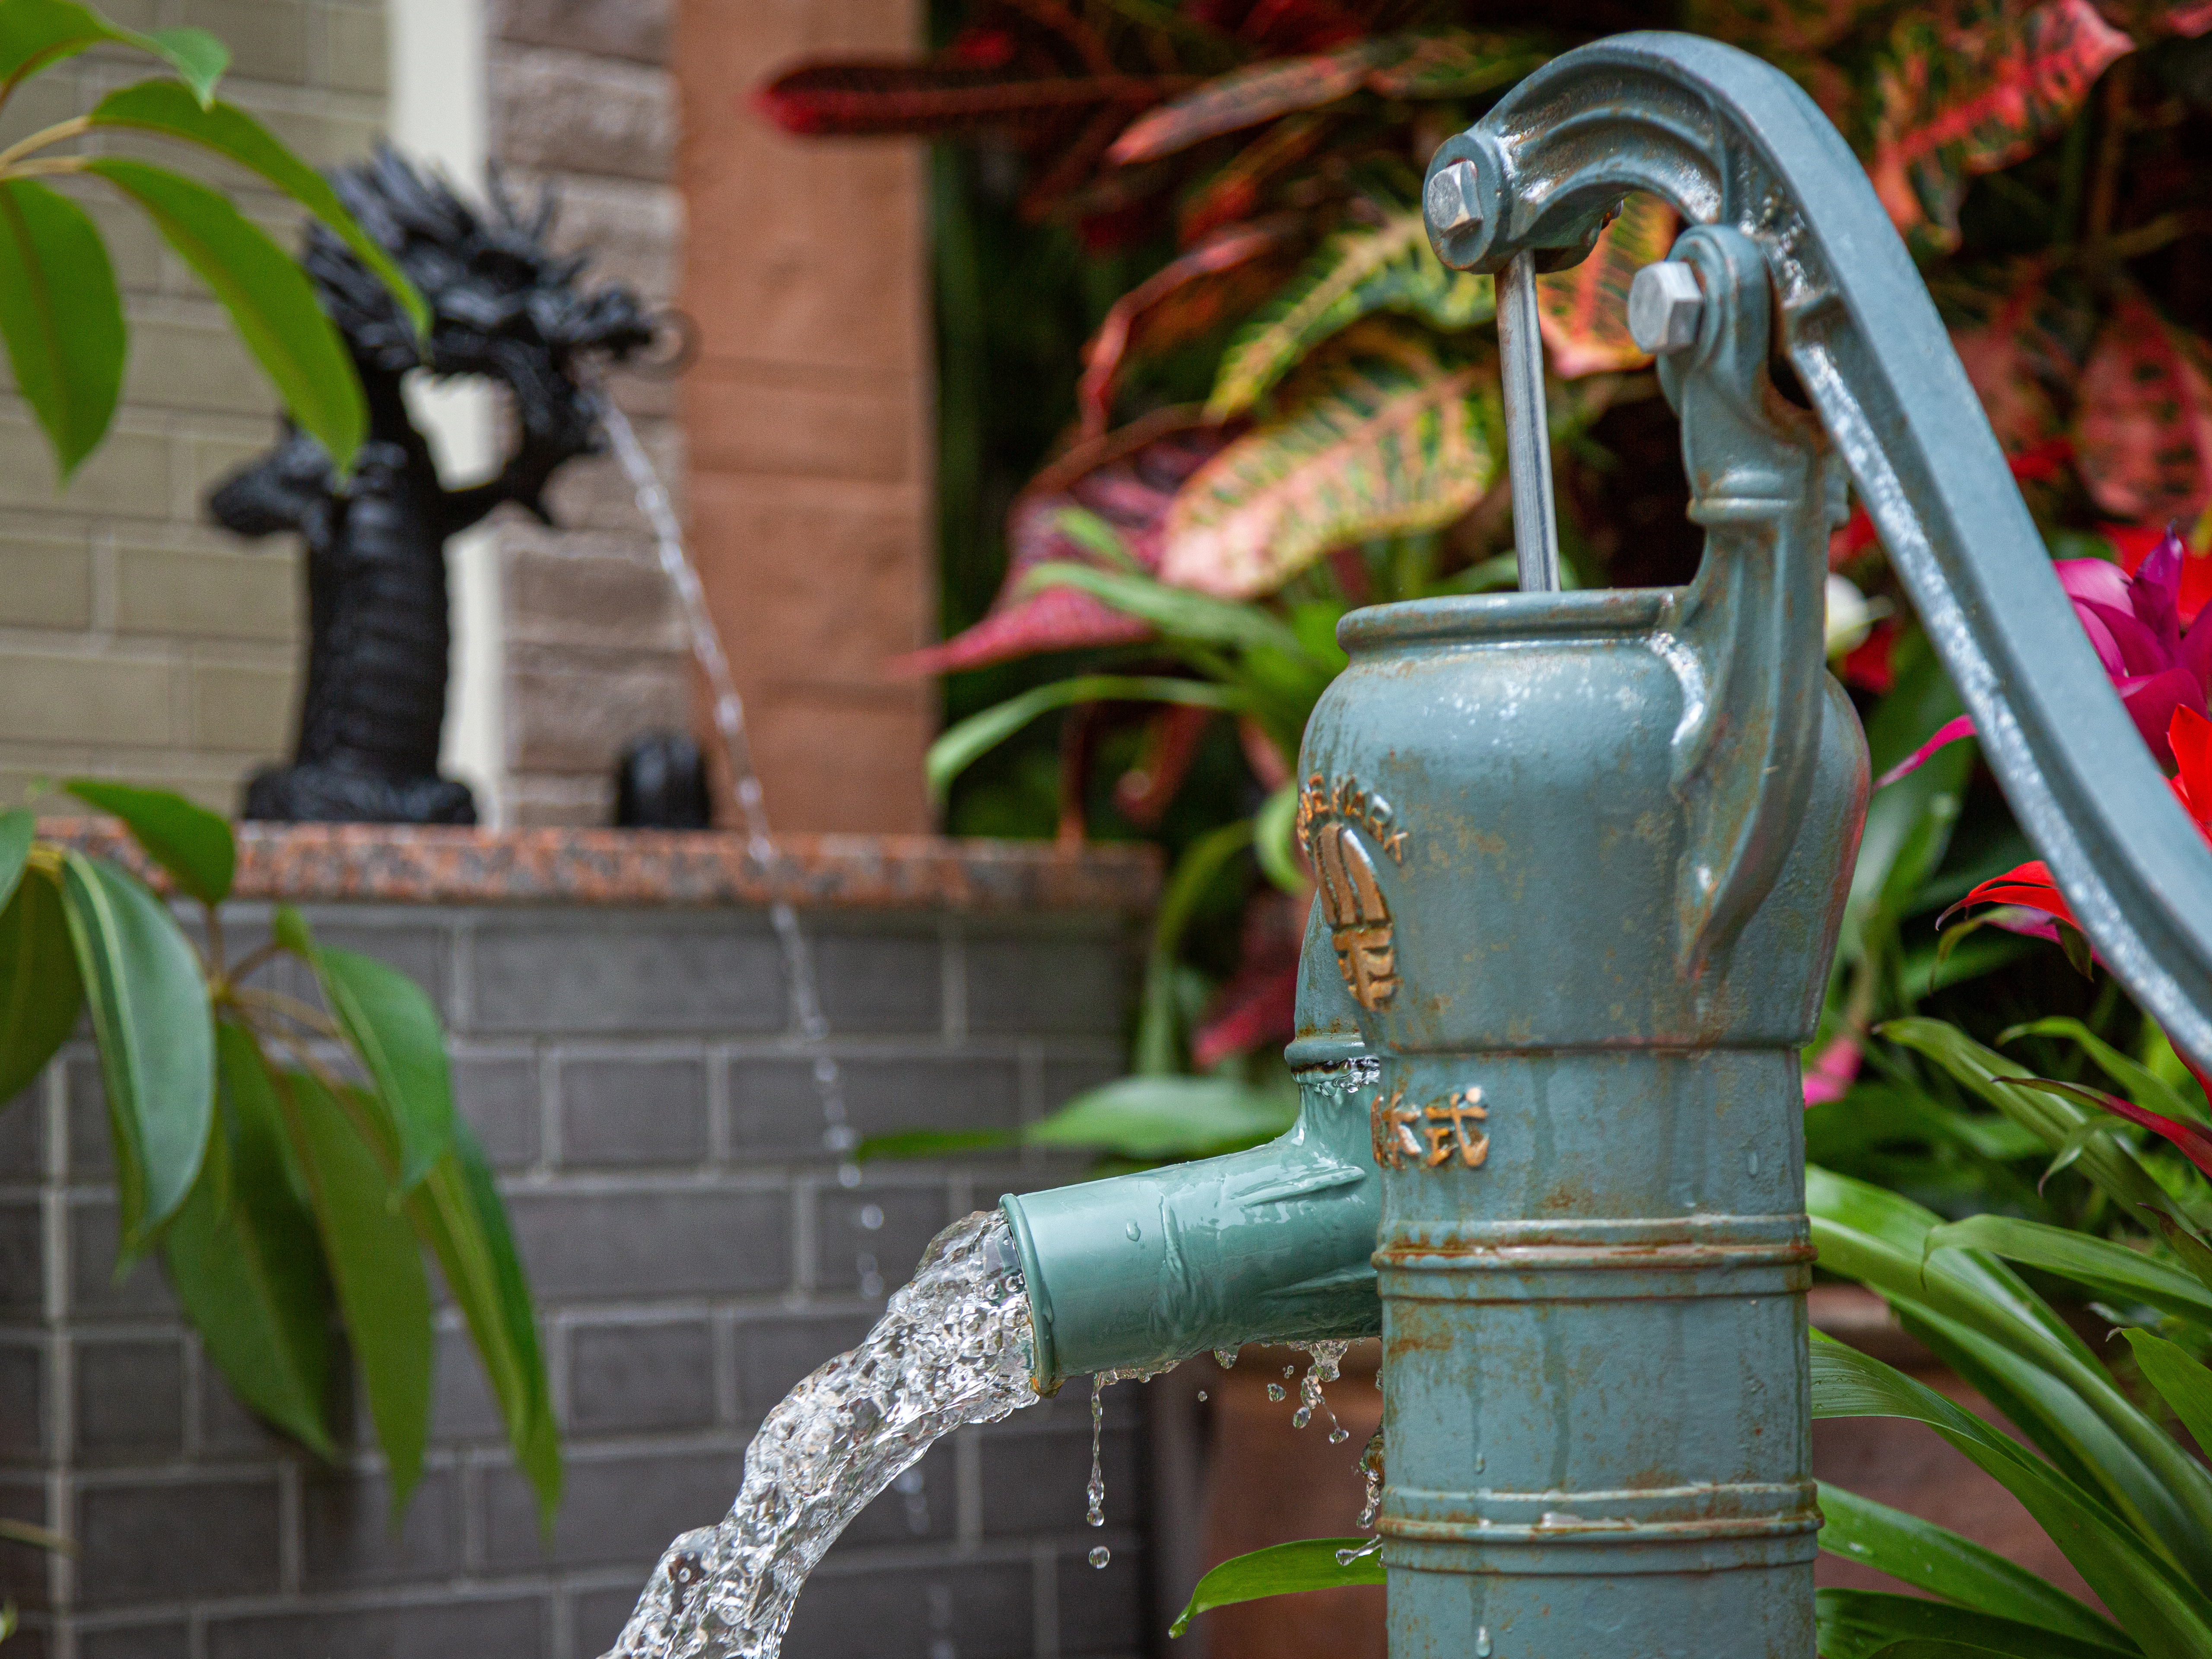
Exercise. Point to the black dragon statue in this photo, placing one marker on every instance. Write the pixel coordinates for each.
(504, 307)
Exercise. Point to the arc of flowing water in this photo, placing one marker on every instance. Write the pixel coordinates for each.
(729, 716)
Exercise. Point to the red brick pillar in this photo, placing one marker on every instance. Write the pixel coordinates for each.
(808, 411)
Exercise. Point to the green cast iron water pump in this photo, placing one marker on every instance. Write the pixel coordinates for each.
(1581, 861)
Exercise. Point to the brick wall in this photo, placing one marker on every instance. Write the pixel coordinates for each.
(693, 1254)
(581, 98)
(134, 640)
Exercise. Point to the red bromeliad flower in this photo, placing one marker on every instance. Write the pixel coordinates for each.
(2137, 624)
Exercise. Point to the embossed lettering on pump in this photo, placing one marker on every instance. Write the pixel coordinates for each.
(1330, 823)
(1431, 1135)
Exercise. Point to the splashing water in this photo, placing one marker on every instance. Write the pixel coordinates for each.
(1226, 1357)
(1370, 1470)
(1345, 1558)
(653, 504)
(1327, 1359)
(953, 1347)
(1095, 1514)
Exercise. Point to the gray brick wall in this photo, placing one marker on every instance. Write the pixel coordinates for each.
(136, 640)
(694, 1255)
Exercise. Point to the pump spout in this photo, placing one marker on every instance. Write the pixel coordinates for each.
(1143, 1270)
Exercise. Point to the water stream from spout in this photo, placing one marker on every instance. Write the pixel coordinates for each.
(953, 1347)
(729, 714)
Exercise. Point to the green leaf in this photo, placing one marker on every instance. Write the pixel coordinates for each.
(1274, 839)
(1160, 1017)
(457, 1209)
(1861, 1624)
(1310, 1564)
(18, 829)
(957, 749)
(1353, 274)
(2144, 1086)
(1153, 1118)
(41, 993)
(1938, 1561)
(245, 1261)
(375, 1265)
(61, 316)
(2107, 1160)
(1378, 436)
(2181, 1381)
(2159, 1608)
(1935, 1648)
(156, 1041)
(2113, 1271)
(930, 1143)
(1176, 611)
(164, 107)
(392, 1026)
(191, 843)
(35, 35)
(269, 300)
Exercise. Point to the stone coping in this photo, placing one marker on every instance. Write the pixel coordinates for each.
(406, 864)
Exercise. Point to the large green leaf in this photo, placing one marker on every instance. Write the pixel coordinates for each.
(1354, 274)
(1310, 1564)
(1938, 1561)
(2157, 1606)
(245, 1261)
(18, 829)
(164, 107)
(2064, 1398)
(959, 747)
(1966, 88)
(40, 994)
(1155, 1118)
(2144, 1086)
(150, 1018)
(375, 1265)
(269, 300)
(61, 316)
(1863, 1623)
(1176, 611)
(2181, 1381)
(1378, 436)
(458, 1211)
(37, 33)
(1583, 311)
(191, 843)
(394, 1027)
(2104, 1158)
(2111, 1270)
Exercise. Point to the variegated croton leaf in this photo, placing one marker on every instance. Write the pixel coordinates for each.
(1377, 434)
(2143, 435)
(1966, 86)
(2022, 329)
(1118, 488)
(1388, 266)
(2157, 19)
(1584, 311)
(1782, 25)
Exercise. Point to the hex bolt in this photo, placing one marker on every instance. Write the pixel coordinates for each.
(1664, 304)
(1451, 201)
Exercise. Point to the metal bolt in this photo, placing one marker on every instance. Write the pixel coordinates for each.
(1451, 200)
(1664, 304)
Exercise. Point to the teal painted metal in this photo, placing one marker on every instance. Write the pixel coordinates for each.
(1582, 860)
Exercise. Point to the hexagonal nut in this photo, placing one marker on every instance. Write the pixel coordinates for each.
(1450, 201)
(1664, 304)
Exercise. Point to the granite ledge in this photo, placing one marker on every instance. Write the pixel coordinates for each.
(396, 864)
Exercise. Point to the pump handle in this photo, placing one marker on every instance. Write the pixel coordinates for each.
(1729, 140)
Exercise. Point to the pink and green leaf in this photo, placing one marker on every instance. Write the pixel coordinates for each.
(1584, 311)
(860, 97)
(2144, 429)
(1768, 27)
(2023, 339)
(1378, 436)
(1247, 97)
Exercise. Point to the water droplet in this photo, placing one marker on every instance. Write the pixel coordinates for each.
(871, 1217)
(1301, 1417)
(1480, 1461)
(1226, 1357)
(1370, 1470)
(1201, 1396)
(1096, 1514)
(1337, 1435)
(1274, 1391)
(1753, 1162)
(849, 1174)
(1482, 1642)
(1290, 1371)
(1100, 1555)
(1132, 1232)
(1345, 1558)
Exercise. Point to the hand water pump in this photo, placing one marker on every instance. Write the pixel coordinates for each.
(1581, 862)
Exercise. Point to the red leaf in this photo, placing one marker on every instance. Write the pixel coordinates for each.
(1280, 25)
(2193, 1141)
(1787, 26)
(2023, 345)
(1258, 1007)
(1246, 97)
(2144, 428)
(1866, 666)
(2134, 543)
(2028, 886)
(1584, 312)
(1235, 190)
(2151, 20)
(1144, 792)
(1970, 86)
(1223, 276)
(879, 96)
(1129, 479)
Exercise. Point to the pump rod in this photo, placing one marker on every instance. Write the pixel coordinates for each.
(1528, 429)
